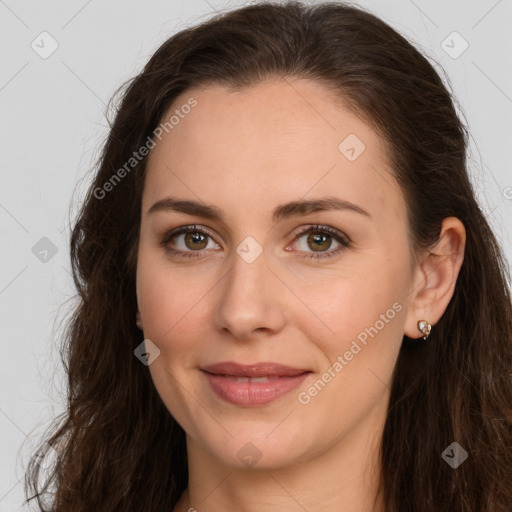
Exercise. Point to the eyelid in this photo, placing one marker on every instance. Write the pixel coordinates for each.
(184, 229)
(320, 227)
(341, 238)
(298, 233)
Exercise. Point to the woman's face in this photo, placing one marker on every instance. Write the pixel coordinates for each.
(273, 235)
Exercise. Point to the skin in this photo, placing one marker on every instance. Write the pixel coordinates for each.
(246, 153)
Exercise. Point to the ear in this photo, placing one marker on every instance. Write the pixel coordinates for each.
(435, 277)
(138, 319)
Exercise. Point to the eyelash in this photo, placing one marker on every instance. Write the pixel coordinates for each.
(343, 240)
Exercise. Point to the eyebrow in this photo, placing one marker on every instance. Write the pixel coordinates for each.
(283, 211)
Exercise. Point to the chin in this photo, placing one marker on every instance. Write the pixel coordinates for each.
(255, 449)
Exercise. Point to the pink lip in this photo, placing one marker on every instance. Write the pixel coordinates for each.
(280, 380)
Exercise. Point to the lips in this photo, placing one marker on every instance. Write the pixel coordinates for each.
(254, 370)
(255, 384)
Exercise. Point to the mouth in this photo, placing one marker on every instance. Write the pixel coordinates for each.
(255, 384)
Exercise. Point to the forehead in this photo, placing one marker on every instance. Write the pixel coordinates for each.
(274, 141)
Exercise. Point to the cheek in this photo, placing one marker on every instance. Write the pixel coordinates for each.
(169, 306)
(359, 349)
(165, 298)
(175, 306)
(355, 298)
(362, 317)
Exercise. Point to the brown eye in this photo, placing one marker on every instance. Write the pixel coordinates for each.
(195, 240)
(319, 241)
(188, 241)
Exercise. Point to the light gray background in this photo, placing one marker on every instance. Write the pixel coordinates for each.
(53, 123)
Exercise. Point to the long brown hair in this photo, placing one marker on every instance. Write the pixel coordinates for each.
(117, 446)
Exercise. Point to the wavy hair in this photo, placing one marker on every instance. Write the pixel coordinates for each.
(117, 446)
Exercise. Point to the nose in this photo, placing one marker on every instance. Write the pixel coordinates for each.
(251, 300)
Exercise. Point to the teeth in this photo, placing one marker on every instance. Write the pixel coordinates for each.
(250, 379)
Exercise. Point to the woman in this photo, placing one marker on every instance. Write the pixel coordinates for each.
(289, 297)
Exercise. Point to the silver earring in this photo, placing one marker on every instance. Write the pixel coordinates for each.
(425, 328)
